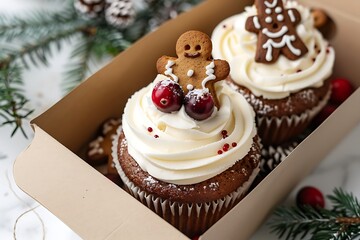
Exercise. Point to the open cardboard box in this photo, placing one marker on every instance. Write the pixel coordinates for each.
(52, 172)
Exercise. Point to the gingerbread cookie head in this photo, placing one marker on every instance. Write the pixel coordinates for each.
(194, 44)
(193, 68)
(276, 29)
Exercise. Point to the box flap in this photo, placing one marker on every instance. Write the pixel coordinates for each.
(81, 197)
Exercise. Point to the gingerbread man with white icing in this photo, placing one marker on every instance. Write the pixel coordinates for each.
(194, 68)
(276, 31)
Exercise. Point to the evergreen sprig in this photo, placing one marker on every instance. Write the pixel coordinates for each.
(339, 223)
(12, 100)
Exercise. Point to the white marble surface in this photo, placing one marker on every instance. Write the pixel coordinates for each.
(23, 218)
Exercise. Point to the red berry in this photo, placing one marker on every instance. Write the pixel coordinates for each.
(223, 132)
(323, 114)
(220, 152)
(199, 104)
(234, 144)
(310, 196)
(167, 96)
(150, 129)
(341, 90)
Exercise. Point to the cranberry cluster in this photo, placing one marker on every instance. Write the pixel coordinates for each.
(168, 96)
(341, 89)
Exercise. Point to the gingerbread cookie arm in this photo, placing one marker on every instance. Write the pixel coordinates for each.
(294, 16)
(162, 65)
(222, 69)
(252, 24)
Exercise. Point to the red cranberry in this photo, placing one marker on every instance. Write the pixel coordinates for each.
(234, 144)
(199, 104)
(323, 114)
(310, 196)
(341, 90)
(167, 96)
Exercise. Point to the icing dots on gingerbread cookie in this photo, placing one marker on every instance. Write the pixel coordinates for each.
(276, 29)
(193, 68)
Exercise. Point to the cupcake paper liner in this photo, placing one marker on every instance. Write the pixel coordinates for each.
(192, 219)
(276, 130)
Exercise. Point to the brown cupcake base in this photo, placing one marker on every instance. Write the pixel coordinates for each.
(280, 120)
(185, 208)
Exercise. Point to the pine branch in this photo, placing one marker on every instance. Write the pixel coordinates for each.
(36, 24)
(79, 66)
(12, 100)
(41, 50)
(342, 222)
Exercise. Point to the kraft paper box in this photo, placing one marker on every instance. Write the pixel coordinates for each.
(52, 172)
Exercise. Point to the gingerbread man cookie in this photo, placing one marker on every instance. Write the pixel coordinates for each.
(194, 68)
(99, 150)
(276, 31)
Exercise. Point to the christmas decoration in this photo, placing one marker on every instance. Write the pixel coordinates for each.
(310, 196)
(89, 8)
(95, 29)
(341, 90)
(120, 13)
(340, 222)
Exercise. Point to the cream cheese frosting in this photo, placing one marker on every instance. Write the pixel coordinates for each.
(232, 42)
(181, 150)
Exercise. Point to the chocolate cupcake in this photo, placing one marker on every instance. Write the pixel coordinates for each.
(189, 162)
(280, 62)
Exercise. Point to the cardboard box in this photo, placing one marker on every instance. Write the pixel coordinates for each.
(52, 172)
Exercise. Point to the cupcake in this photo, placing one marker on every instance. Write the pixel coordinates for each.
(280, 62)
(188, 147)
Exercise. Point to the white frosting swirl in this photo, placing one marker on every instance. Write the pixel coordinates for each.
(232, 42)
(186, 150)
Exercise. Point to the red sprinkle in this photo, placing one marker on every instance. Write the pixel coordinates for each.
(223, 132)
(156, 136)
(299, 70)
(226, 145)
(234, 144)
(225, 149)
(220, 152)
(150, 129)
(225, 136)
